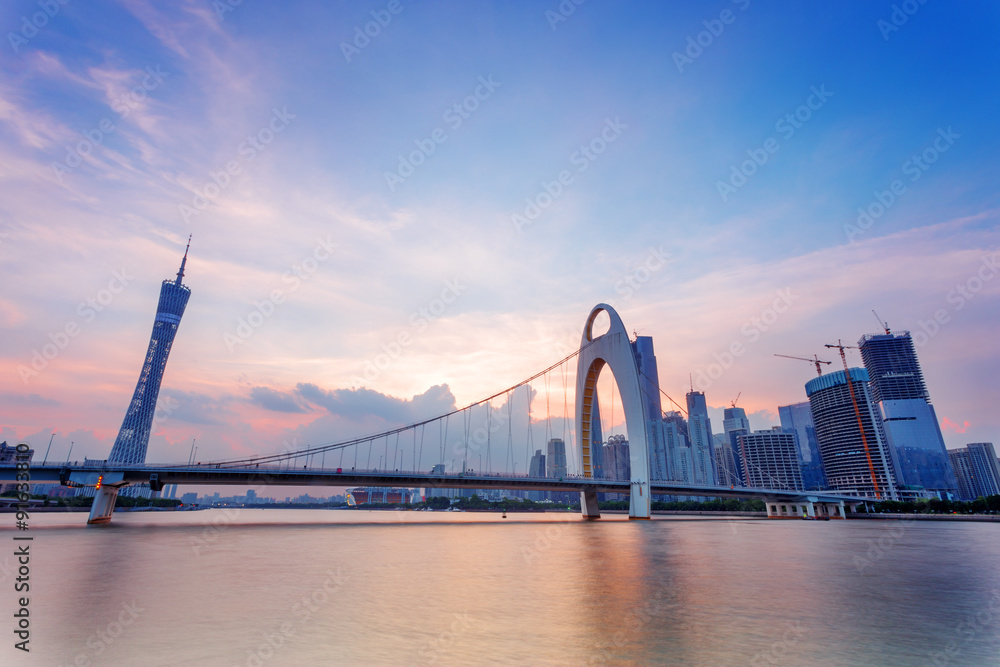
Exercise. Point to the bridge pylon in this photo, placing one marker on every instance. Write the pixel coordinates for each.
(612, 349)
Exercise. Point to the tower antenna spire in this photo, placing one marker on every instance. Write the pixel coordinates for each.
(180, 273)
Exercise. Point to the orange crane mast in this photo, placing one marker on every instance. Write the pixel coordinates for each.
(857, 413)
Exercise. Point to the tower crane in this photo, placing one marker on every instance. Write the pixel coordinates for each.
(881, 323)
(815, 360)
(736, 399)
(857, 411)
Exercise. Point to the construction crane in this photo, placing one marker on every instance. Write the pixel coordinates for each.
(736, 399)
(857, 411)
(881, 323)
(815, 360)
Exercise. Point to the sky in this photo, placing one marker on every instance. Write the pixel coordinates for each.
(397, 207)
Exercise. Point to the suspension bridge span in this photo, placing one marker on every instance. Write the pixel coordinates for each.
(354, 467)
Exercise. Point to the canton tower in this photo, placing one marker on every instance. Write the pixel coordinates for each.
(133, 438)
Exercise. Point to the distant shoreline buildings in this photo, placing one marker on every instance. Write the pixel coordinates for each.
(874, 435)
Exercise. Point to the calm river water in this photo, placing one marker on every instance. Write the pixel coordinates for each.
(327, 587)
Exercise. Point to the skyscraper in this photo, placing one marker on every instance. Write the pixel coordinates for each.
(770, 459)
(730, 465)
(617, 463)
(649, 385)
(596, 443)
(798, 419)
(555, 468)
(702, 442)
(850, 463)
(977, 470)
(555, 459)
(911, 426)
(537, 469)
(133, 438)
(678, 447)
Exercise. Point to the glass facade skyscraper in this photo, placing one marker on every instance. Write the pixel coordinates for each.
(649, 385)
(730, 463)
(911, 425)
(133, 438)
(702, 442)
(797, 418)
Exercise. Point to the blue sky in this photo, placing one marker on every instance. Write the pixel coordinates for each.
(309, 213)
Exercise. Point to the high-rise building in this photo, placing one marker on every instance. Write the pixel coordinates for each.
(977, 469)
(770, 459)
(702, 442)
(555, 459)
(555, 468)
(133, 438)
(537, 469)
(617, 464)
(855, 464)
(679, 459)
(649, 386)
(797, 418)
(911, 425)
(596, 442)
(729, 464)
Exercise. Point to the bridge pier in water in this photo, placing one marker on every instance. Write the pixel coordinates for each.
(588, 505)
(104, 505)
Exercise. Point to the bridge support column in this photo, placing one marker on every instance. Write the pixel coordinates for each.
(782, 509)
(588, 505)
(104, 505)
(639, 505)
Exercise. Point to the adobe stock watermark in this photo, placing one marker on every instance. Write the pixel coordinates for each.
(101, 639)
(60, 340)
(372, 29)
(264, 309)
(303, 612)
(454, 116)
(248, 150)
(878, 548)
(419, 320)
(958, 297)
(696, 44)
(751, 330)
(563, 11)
(123, 106)
(899, 17)
(967, 631)
(775, 653)
(786, 126)
(221, 7)
(432, 649)
(581, 158)
(545, 538)
(646, 611)
(633, 281)
(914, 167)
(31, 26)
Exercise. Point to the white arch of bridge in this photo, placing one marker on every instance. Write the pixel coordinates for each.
(612, 349)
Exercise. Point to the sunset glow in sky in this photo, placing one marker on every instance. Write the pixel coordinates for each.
(401, 206)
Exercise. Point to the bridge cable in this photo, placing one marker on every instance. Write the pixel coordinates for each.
(489, 434)
(354, 442)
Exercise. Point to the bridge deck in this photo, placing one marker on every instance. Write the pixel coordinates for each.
(217, 474)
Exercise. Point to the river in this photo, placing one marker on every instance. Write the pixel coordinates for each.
(254, 587)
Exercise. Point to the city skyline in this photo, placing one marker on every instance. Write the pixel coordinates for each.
(331, 297)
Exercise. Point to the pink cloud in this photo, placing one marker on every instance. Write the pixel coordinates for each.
(957, 428)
